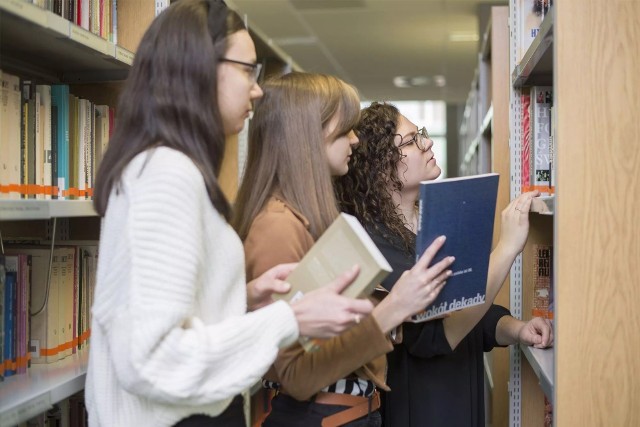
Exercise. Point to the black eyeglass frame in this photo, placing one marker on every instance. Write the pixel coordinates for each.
(256, 68)
(418, 138)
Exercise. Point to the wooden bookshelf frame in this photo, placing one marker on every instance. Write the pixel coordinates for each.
(592, 376)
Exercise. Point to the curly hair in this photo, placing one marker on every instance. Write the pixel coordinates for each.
(366, 190)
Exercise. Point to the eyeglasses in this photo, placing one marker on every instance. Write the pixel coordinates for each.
(252, 69)
(419, 139)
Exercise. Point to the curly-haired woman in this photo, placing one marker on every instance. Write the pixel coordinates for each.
(436, 373)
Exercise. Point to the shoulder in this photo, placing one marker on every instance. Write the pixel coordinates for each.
(279, 217)
(164, 164)
(277, 235)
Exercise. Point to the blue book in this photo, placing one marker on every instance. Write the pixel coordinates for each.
(462, 209)
(60, 102)
(10, 283)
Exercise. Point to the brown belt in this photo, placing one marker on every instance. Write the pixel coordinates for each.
(359, 407)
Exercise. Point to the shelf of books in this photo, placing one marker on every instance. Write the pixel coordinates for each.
(25, 396)
(60, 74)
(64, 51)
(572, 108)
(484, 147)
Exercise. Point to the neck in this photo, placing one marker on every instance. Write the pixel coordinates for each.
(406, 205)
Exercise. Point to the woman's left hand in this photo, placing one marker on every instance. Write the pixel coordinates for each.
(261, 289)
(515, 223)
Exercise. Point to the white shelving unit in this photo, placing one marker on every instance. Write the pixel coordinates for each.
(41, 45)
(541, 360)
(11, 210)
(24, 396)
(45, 45)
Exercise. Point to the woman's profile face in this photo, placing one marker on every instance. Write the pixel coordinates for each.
(338, 149)
(236, 85)
(415, 165)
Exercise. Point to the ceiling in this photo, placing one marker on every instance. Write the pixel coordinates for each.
(368, 43)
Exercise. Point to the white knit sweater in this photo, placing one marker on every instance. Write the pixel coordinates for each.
(170, 336)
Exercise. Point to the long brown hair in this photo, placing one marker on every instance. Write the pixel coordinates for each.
(169, 98)
(366, 190)
(287, 153)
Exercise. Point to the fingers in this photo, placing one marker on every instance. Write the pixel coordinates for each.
(345, 279)
(359, 307)
(430, 252)
(281, 271)
(523, 202)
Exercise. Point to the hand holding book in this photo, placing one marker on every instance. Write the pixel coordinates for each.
(321, 313)
(416, 288)
(324, 312)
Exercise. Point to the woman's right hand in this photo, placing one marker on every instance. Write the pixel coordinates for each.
(324, 313)
(415, 290)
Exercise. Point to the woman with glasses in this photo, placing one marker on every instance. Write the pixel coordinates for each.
(436, 373)
(300, 137)
(171, 341)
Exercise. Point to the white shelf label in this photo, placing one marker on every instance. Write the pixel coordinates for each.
(88, 39)
(124, 55)
(58, 24)
(26, 410)
(23, 210)
(27, 11)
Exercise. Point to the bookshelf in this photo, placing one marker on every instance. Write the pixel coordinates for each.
(590, 376)
(39, 45)
(484, 147)
(25, 396)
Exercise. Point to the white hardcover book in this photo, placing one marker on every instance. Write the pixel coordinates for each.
(66, 298)
(45, 118)
(10, 119)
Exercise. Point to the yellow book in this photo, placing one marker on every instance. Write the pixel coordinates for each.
(344, 244)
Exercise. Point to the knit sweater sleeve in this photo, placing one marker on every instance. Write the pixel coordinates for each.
(161, 349)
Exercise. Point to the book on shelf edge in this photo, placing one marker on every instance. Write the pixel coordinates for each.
(462, 209)
(342, 245)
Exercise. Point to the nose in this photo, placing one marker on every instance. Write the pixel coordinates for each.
(353, 139)
(256, 92)
(428, 144)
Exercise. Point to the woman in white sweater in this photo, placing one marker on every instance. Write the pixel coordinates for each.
(172, 342)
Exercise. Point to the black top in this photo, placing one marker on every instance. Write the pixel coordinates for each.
(431, 385)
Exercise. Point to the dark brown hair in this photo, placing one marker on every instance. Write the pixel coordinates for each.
(287, 147)
(169, 98)
(366, 190)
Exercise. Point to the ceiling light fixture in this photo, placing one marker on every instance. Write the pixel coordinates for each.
(440, 80)
(463, 36)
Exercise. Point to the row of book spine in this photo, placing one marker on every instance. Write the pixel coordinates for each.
(45, 319)
(51, 142)
(537, 149)
(98, 16)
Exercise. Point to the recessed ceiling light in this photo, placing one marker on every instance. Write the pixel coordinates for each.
(419, 81)
(401, 81)
(296, 41)
(463, 36)
(439, 80)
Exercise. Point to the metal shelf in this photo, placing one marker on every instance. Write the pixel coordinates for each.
(536, 66)
(544, 205)
(40, 44)
(27, 395)
(541, 360)
(11, 210)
